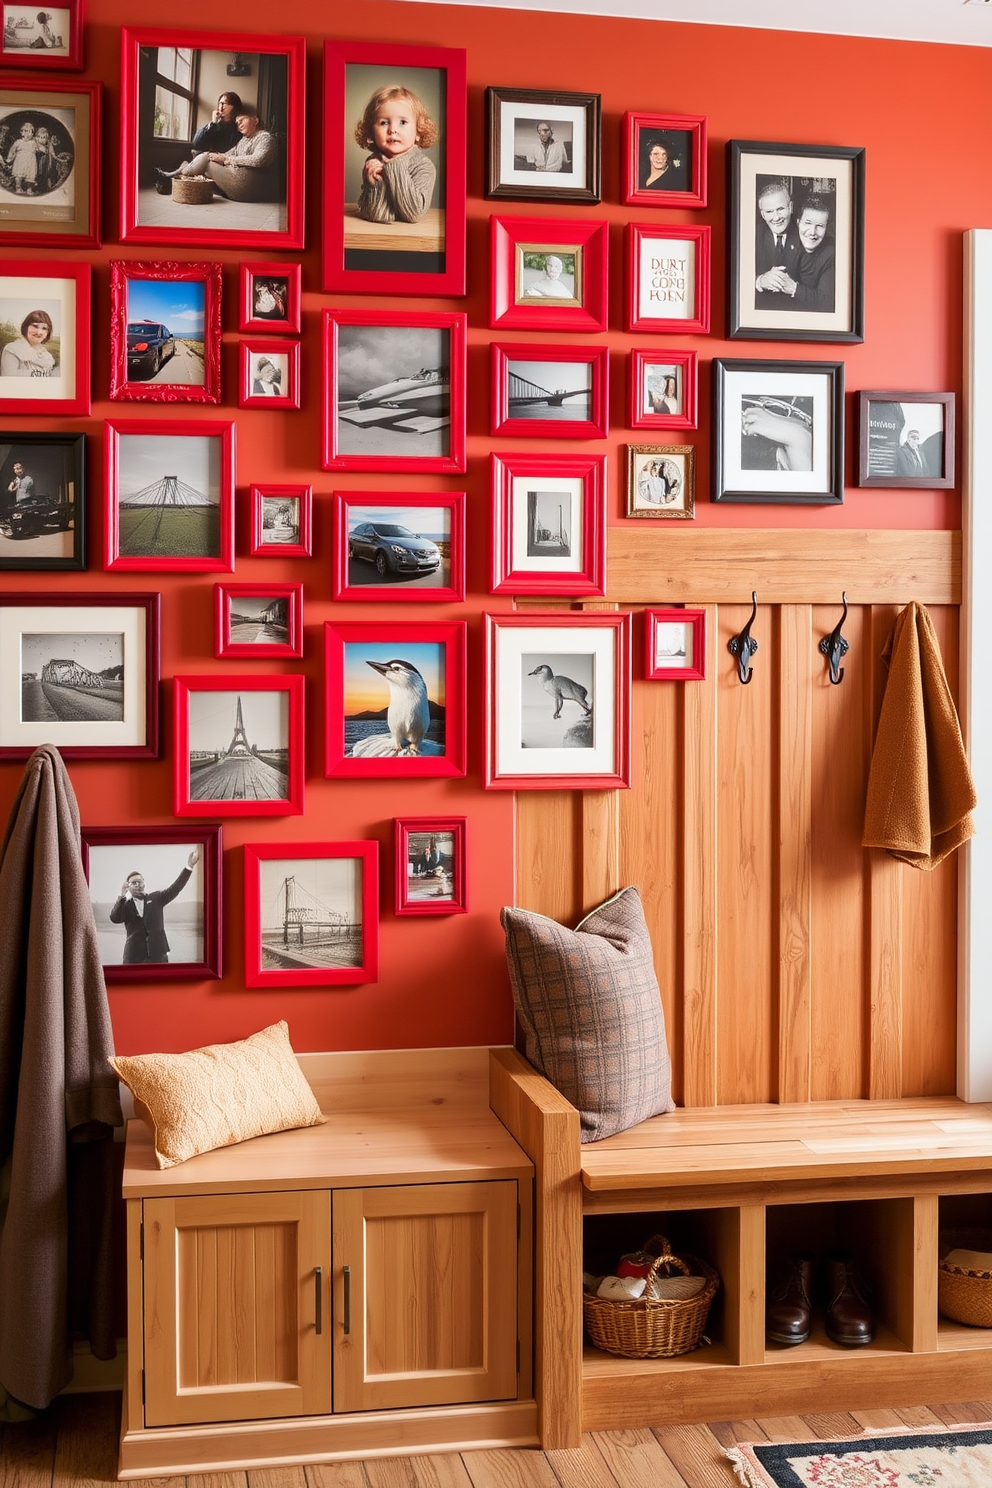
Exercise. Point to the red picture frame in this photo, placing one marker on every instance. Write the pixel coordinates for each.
(252, 315)
(109, 856)
(443, 889)
(248, 763)
(281, 521)
(367, 566)
(128, 358)
(260, 898)
(676, 378)
(168, 493)
(42, 47)
(580, 246)
(674, 645)
(517, 401)
(662, 272)
(398, 360)
(23, 282)
(437, 652)
(540, 505)
(255, 359)
(147, 217)
(356, 252)
(260, 614)
(68, 225)
(671, 131)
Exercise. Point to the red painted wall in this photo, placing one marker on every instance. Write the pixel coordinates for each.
(920, 112)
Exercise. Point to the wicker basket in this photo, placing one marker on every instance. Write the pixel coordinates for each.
(194, 191)
(965, 1296)
(653, 1329)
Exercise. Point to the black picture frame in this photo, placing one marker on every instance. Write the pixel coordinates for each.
(817, 292)
(793, 410)
(572, 148)
(43, 521)
(888, 455)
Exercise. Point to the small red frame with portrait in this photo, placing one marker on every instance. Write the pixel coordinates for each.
(252, 358)
(255, 319)
(680, 365)
(526, 556)
(665, 271)
(505, 420)
(124, 387)
(657, 666)
(63, 52)
(380, 587)
(289, 539)
(450, 895)
(23, 283)
(249, 749)
(513, 303)
(233, 606)
(665, 129)
(300, 974)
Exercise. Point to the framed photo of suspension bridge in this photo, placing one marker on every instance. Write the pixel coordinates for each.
(548, 533)
(550, 392)
(311, 913)
(238, 746)
(169, 500)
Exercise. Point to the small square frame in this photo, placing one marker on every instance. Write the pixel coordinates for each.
(125, 272)
(686, 187)
(522, 560)
(32, 288)
(577, 113)
(452, 901)
(109, 876)
(602, 641)
(761, 399)
(136, 619)
(657, 668)
(666, 494)
(73, 223)
(40, 516)
(511, 239)
(229, 605)
(251, 357)
(65, 50)
(668, 270)
(364, 853)
(505, 420)
(254, 319)
(245, 749)
(343, 584)
(300, 532)
(680, 365)
(883, 458)
(389, 640)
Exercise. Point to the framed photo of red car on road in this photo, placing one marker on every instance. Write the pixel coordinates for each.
(165, 332)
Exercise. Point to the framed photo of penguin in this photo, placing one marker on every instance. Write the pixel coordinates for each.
(558, 701)
(796, 228)
(311, 914)
(548, 531)
(429, 853)
(395, 699)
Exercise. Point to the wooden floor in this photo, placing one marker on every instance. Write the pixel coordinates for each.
(76, 1442)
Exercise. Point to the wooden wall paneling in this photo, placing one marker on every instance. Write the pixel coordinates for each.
(794, 740)
(885, 913)
(600, 813)
(699, 878)
(549, 853)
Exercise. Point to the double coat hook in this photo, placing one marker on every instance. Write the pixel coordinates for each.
(743, 646)
(834, 648)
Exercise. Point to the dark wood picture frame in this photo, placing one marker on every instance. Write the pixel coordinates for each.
(795, 413)
(516, 173)
(34, 522)
(887, 453)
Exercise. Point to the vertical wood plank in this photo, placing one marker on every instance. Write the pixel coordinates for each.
(885, 918)
(699, 878)
(600, 847)
(548, 854)
(925, 1230)
(795, 718)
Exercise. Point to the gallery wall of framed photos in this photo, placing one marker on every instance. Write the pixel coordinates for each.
(354, 444)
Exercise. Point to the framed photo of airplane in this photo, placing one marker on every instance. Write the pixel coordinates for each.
(392, 545)
(550, 392)
(311, 913)
(395, 699)
(430, 865)
(394, 390)
(548, 525)
(165, 332)
(238, 745)
(558, 701)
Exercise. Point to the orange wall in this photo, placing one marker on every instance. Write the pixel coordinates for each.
(920, 112)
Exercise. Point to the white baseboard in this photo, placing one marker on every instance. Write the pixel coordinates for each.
(90, 1374)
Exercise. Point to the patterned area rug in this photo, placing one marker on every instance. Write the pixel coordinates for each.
(957, 1457)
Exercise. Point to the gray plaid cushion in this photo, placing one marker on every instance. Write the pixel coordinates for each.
(590, 1007)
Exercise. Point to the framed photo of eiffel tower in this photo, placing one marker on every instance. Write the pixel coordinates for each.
(238, 746)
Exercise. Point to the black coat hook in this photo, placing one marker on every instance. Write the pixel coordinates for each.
(743, 646)
(834, 647)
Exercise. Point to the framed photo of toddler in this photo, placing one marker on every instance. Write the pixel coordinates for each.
(165, 332)
(675, 645)
(664, 160)
(778, 432)
(269, 374)
(50, 163)
(542, 145)
(905, 440)
(270, 297)
(430, 865)
(50, 39)
(547, 274)
(661, 481)
(44, 337)
(281, 521)
(664, 389)
(395, 129)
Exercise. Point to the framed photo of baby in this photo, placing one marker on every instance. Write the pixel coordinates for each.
(394, 162)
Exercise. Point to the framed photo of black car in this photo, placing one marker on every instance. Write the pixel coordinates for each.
(42, 502)
(905, 440)
(50, 162)
(778, 432)
(543, 145)
(796, 218)
(165, 332)
(389, 545)
(664, 160)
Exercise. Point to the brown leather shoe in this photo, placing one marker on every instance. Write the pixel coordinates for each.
(787, 1312)
(849, 1317)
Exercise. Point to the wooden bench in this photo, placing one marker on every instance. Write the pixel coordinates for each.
(743, 1186)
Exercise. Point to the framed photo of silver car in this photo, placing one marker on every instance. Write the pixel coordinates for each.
(543, 145)
(796, 216)
(42, 502)
(409, 547)
(778, 432)
(165, 330)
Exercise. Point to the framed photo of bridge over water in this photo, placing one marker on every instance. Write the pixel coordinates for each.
(548, 525)
(311, 913)
(79, 671)
(550, 392)
(169, 496)
(238, 746)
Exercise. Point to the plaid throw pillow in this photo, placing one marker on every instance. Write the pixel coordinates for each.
(590, 1007)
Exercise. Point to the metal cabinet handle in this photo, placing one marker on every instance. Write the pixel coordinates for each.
(318, 1310)
(347, 1298)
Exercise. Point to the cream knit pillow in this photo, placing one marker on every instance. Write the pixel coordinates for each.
(221, 1094)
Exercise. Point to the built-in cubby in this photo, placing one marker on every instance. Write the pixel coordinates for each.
(963, 1219)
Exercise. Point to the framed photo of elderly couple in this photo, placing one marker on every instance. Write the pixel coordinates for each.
(796, 216)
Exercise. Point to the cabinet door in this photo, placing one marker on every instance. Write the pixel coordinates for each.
(425, 1295)
(236, 1316)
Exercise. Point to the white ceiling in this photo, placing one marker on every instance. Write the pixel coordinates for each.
(962, 22)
